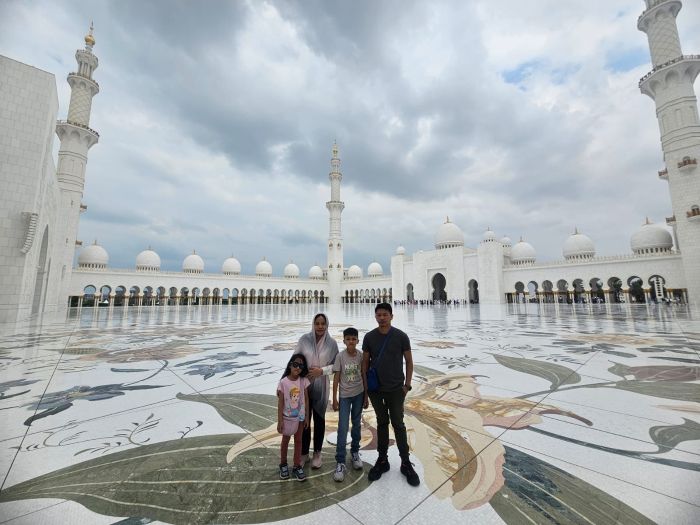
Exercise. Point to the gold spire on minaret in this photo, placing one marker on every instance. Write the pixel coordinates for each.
(89, 39)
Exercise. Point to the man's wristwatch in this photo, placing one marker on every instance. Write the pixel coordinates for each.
(408, 387)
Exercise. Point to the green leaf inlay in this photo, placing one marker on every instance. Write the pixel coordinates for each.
(557, 375)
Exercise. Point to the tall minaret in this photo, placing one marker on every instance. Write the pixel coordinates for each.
(335, 236)
(670, 85)
(76, 139)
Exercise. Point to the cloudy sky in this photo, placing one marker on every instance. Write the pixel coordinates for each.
(216, 122)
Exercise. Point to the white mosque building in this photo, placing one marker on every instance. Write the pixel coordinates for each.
(40, 205)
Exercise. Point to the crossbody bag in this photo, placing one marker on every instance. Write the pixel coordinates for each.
(372, 374)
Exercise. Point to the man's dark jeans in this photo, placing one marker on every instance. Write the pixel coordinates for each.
(388, 406)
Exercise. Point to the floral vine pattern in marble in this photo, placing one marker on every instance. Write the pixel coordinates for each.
(221, 363)
(56, 402)
(7, 385)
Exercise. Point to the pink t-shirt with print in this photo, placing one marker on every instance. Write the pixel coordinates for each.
(293, 395)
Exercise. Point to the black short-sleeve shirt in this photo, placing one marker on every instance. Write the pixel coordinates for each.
(390, 366)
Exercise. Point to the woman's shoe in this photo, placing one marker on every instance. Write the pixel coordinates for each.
(316, 460)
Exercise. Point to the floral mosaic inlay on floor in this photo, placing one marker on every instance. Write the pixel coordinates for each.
(587, 414)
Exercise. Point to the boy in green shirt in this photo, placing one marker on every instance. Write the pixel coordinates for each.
(352, 384)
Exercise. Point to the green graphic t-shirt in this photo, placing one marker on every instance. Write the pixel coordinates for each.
(350, 368)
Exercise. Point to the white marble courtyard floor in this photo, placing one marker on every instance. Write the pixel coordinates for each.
(590, 414)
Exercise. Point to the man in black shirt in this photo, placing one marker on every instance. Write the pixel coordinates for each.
(385, 349)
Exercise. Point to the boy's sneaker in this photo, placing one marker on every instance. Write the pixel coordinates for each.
(356, 461)
(379, 468)
(316, 460)
(298, 473)
(284, 471)
(411, 476)
(339, 474)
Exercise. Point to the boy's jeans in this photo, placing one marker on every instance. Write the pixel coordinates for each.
(349, 408)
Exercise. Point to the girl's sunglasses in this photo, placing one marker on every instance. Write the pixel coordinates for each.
(296, 364)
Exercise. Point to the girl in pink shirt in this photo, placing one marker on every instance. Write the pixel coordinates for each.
(293, 413)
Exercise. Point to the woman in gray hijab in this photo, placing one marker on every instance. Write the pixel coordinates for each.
(319, 349)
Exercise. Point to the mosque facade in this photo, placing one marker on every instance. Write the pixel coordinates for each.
(41, 205)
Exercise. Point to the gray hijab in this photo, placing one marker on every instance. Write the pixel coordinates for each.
(323, 356)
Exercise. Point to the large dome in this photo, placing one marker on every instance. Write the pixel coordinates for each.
(263, 268)
(315, 272)
(375, 270)
(578, 246)
(522, 253)
(651, 238)
(148, 261)
(448, 236)
(291, 271)
(355, 272)
(94, 257)
(231, 266)
(193, 263)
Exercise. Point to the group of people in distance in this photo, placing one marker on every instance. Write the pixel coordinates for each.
(303, 394)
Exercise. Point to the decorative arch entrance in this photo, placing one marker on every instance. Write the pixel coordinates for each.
(439, 282)
(473, 292)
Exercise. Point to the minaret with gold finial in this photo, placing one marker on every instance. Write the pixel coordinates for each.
(335, 237)
(76, 139)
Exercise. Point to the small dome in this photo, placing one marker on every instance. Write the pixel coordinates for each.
(522, 253)
(193, 263)
(291, 271)
(375, 270)
(489, 236)
(448, 235)
(506, 242)
(148, 261)
(315, 272)
(355, 272)
(94, 256)
(578, 246)
(400, 250)
(263, 268)
(651, 238)
(231, 266)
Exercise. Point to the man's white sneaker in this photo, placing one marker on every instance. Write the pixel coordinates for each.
(339, 474)
(356, 461)
(316, 460)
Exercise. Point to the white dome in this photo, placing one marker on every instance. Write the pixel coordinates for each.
(506, 242)
(291, 271)
(489, 236)
(651, 238)
(400, 250)
(448, 235)
(263, 268)
(231, 266)
(522, 253)
(578, 246)
(148, 260)
(315, 272)
(193, 263)
(355, 272)
(94, 256)
(375, 270)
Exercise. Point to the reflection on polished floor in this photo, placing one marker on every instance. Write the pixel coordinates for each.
(586, 414)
